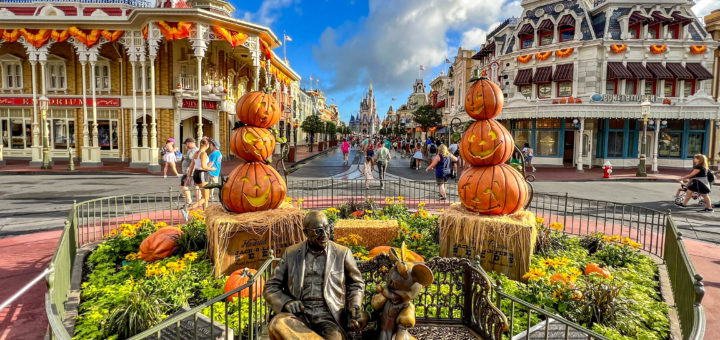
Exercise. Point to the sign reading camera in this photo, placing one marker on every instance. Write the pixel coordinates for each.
(622, 98)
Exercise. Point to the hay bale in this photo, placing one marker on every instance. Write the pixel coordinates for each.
(373, 232)
(504, 243)
(237, 241)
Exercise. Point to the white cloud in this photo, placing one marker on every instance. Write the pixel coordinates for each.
(473, 38)
(268, 12)
(397, 36)
(703, 7)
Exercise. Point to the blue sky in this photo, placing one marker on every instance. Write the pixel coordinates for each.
(348, 43)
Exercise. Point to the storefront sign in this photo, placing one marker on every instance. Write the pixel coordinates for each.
(622, 98)
(193, 104)
(61, 101)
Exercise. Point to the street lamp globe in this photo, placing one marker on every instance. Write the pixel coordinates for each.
(43, 101)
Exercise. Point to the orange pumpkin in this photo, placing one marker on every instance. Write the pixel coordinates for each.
(618, 48)
(698, 49)
(411, 255)
(658, 49)
(484, 100)
(543, 55)
(252, 144)
(595, 268)
(253, 187)
(238, 278)
(160, 244)
(258, 109)
(493, 190)
(524, 58)
(486, 142)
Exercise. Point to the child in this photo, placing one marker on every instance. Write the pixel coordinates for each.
(367, 171)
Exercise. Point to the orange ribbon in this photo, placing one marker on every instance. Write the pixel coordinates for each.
(111, 36)
(87, 37)
(145, 32)
(10, 35)
(36, 39)
(698, 49)
(265, 49)
(174, 31)
(618, 48)
(234, 38)
(658, 49)
(564, 53)
(59, 36)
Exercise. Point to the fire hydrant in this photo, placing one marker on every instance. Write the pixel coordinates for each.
(607, 169)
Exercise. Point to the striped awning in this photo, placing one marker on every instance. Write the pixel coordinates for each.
(567, 20)
(679, 18)
(638, 18)
(523, 77)
(659, 17)
(563, 72)
(527, 29)
(545, 26)
(616, 70)
(543, 75)
(700, 72)
(679, 71)
(639, 71)
(659, 71)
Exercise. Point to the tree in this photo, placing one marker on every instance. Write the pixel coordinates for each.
(331, 129)
(312, 125)
(427, 117)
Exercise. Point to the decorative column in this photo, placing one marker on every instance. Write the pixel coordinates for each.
(43, 91)
(199, 94)
(143, 79)
(580, 146)
(153, 166)
(134, 150)
(656, 146)
(36, 148)
(95, 148)
(135, 45)
(86, 133)
(199, 42)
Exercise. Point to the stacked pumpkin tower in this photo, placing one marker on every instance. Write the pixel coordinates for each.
(491, 222)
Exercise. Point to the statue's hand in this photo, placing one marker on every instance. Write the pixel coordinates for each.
(354, 320)
(294, 307)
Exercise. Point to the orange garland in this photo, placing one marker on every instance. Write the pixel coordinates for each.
(145, 32)
(234, 38)
(543, 55)
(89, 37)
(265, 49)
(658, 49)
(36, 39)
(111, 36)
(174, 31)
(618, 48)
(60, 36)
(564, 53)
(698, 49)
(524, 58)
(10, 35)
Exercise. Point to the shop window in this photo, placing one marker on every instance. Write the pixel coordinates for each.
(630, 86)
(63, 133)
(669, 144)
(18, 133)
(611, 86)
(634, 31)
(669, 89)
(523, 124)
(526, 90)
(689, 88)
(546, 38)
(615, 143)
(654, 31)
(674, 31)
(547, 143)
(566, 33)
(544, 90)
(526, 41)
(650, 87)
(102, 76)
(696, 125)
(695, 143)
(108, 134)
(548, 123)
(564, 89)
(56, 76)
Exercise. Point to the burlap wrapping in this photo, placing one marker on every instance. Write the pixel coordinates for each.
(504, 243)
(237, 241)
(373, 233)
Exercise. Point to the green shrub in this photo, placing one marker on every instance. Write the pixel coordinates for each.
(138, 312)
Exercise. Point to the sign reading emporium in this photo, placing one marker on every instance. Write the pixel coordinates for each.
(61, 102)
(622, 98)
(193, 104)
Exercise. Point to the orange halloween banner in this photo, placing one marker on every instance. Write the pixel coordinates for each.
(658, 49)
(36, 38)
(87, 37)
(524, 58)
(234, 38)
(10, 35)
(265, 49)
(174, 30)
(564, 53)
(543, 55)
(145, 32)
(618, 48)
(60, 36)
(111, 36)
(698, 49)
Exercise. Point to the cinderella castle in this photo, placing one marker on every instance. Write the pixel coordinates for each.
(367, 122)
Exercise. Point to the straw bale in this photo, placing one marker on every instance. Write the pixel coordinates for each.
(237, 241)
(503, 243)
(373, 232)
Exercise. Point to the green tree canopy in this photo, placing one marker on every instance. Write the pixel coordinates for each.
(312, 124)
(426, 116)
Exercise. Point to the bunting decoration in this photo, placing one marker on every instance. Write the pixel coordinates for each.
(483, 73)
(37, 38)
(524, 59)
(174, 30)
(658, 49)
(698, 49)
(60, 36)
(564, 52)
(234, 38)
(278, 73)
(145, 32)
(543, 55)
(618, 48)
(111, 36)
(87, 37)
(10, 35)
(265, 49)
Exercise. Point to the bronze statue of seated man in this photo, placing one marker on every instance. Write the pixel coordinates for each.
(311, 286)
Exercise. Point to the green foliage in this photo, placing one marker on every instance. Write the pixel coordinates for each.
(592, 242)
(615, 255)
(194, 237)
(426, 116)
(139, 311)
(312, 124)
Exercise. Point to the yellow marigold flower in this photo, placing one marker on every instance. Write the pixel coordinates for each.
(131, 256)
(401, 199)
(389, 200)
(626, 240)
(539, 220)
(190, 256)
(113, 232)
(365, 258)
(367, 217)
(288, 200)
(416, 237)
(442, 209)
(357, 254)
(421, 205)
(404, 229)
(300, 201)
(534, 274)
(606, 238)
(563, 261)
(635, 245)
(557, 293)
(557, 226)
(368, 211)
(423, 213)
(160, 225)
(615, 238)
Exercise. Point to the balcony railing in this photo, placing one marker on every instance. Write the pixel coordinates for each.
(187, 83)
(134, 3)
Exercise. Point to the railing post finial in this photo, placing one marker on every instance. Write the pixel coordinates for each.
(699, 289)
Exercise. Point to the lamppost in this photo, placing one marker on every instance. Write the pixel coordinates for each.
(451, 129)
(46, 138)
(642, 171)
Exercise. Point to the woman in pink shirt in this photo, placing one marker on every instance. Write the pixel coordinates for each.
(345, 150)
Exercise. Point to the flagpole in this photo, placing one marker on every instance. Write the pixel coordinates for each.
(284, 46)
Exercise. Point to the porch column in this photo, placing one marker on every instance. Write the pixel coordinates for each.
(199, 43)
(133, 129)
(36, 146)
(86, 134)
(43, 92)
(143, 79)
(95, 145)
(580, 146)
(199, 93)
(654, 168)
(153, 166)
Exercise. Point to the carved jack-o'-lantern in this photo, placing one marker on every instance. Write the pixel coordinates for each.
(486, 142)
(492, 190)
(258, 109)
(252, 144)
(484, 100)
(253, 187)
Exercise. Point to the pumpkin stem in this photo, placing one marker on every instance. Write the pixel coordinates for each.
(238, 125)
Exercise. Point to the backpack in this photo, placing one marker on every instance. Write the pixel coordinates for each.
(711, 177)
(370, 147)
(163, 151)
(446, 170)
(432, 148)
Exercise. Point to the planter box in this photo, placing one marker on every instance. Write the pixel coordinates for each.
(374, 233)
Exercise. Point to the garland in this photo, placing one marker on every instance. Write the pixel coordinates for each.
(36, 39)
(174, 31)
(39, 37)
(145, 32)
(60, 36)
(543, 55)
(618, 48)
(698, 49)
(87, 37)
(658, 49)
(524, 59)
(234, 38)
(564, 53)
(10, 35)
(111, 36)
(265, 49)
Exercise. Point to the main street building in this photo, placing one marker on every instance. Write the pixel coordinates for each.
(575, 72)
(123, 76)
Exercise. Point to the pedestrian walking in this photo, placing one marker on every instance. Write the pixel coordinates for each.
(455, 151)
(367, 171)
(215, 162)
(528, 153)
(382, 158)
(418, 156)
(169, 155)
(701, 179)
(186, 180)
(441, 163)
(199, 173)
(345, 150)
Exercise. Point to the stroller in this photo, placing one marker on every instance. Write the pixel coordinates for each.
(682, 192)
